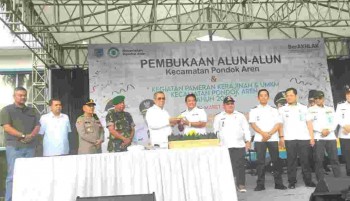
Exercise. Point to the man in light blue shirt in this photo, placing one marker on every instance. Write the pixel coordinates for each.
(55, 128)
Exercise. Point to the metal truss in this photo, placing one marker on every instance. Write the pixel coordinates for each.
(40, 87)
(17, 15)
(60, 30)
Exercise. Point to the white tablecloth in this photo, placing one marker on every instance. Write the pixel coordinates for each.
(202, 174)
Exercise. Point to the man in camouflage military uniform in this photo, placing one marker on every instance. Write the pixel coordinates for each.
(120, 125)
(90, 130)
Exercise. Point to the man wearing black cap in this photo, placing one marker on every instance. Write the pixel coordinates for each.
(298, 137)
(323, 120)
(343, 119)
(90, 130)
(55, 127)
(311, 98)
(233, 132)
(121, 126)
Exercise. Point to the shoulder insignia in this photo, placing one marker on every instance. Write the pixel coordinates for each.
(217, 113)
(95, 117)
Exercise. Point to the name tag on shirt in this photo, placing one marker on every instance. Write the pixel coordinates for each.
(223, 122)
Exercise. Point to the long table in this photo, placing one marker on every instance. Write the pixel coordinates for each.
(202, 174)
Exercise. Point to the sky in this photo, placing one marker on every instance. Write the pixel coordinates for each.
(7, 39)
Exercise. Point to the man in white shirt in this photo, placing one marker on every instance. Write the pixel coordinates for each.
(55, 128)
(265, 121)
(343, 119)
(194, 119)
(324, 124)
(159, 121)
(298, 137)
(233, 132)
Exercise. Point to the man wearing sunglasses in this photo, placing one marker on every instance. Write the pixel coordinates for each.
(233, 132)
(159, 121)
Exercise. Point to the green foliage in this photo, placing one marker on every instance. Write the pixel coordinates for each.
(192, 136)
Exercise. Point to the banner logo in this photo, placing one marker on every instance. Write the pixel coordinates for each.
(113, 52)
(98, 52)
(304, 47)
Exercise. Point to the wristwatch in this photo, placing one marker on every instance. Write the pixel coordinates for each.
(23, 136)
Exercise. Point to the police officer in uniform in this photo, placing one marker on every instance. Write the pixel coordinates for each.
(193, 118)
(121, 126)
(233, 132)
(343, 119)
(323, 120)
(265, 121)
(298, 137)
(90, 130)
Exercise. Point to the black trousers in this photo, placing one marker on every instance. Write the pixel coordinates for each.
(329, 146)
(238, 164)
(345, 152)
(294, 149)
(260, 148)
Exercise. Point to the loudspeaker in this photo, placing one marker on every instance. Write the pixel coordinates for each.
(139, 197)
(332, 189)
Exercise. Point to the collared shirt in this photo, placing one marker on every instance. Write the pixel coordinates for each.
(90, 130)
(294, 122)
(55, 130)
(195, 115)
(322, 118)
(23, 120)
(343, 118)
(232, 129)
(159, 126)
(265, 117)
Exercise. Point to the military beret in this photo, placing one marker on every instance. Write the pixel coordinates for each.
(90, 102)
(118, 99)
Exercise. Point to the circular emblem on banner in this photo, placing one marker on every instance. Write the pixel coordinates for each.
(113, 52)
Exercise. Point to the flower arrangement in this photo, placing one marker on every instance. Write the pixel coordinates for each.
(192, 135)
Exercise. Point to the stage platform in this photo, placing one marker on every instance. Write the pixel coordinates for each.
(300, 193)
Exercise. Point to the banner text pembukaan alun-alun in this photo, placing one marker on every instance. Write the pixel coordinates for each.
(209, 61)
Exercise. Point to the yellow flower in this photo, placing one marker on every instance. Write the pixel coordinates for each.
(192, 133)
